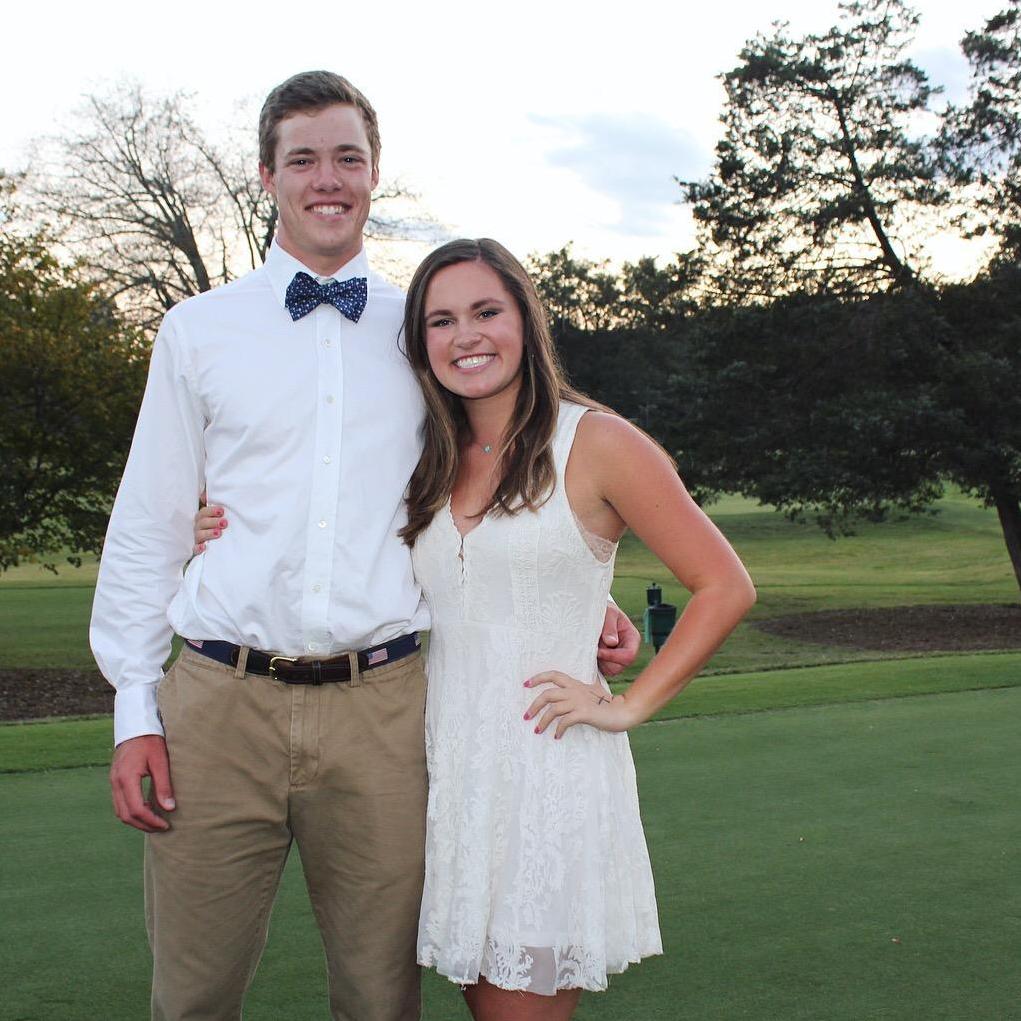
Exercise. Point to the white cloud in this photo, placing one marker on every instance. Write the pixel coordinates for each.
(630, 158)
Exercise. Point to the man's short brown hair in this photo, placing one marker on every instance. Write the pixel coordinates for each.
(312, 90)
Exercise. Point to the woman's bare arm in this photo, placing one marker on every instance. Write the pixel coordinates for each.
(627, 480)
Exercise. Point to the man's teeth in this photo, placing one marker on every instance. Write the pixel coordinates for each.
(472, 361)
(328, 210)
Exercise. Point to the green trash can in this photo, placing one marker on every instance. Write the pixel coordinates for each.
(660, 617)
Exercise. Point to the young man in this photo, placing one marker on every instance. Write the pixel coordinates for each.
(295, 711)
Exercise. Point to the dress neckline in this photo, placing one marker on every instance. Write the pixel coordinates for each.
(454, 524)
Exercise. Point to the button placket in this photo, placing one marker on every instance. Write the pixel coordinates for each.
(322, 526)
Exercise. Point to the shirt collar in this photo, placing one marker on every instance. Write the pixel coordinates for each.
(281, 267)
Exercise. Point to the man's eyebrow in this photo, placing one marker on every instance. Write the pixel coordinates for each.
(473, 306)
(307, 150)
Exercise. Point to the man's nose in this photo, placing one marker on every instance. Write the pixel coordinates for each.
(326, 177)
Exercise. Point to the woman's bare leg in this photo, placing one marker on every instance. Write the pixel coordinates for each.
(491, 1003)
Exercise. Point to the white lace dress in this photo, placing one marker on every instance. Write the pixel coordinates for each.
(537, 871)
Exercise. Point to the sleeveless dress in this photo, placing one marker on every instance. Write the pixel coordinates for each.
(537, 871)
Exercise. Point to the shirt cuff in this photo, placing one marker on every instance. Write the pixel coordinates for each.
(135, 713)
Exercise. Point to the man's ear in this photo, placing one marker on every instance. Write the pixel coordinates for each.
(268, 181)
(375, 177)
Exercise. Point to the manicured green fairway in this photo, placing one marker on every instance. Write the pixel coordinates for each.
(834, 832)
(851, 861)
(66, 744)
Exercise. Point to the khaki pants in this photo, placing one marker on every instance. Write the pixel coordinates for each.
(255, 764)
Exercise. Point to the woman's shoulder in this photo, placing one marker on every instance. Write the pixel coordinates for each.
(599, 426)
(604, 439)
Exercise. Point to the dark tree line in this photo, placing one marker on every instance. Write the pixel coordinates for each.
(71, 378)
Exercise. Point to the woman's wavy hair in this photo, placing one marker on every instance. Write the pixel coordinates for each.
(526, 457)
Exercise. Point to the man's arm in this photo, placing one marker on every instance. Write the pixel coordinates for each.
(147, 543)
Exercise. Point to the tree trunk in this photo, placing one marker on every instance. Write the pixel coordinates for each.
(901, 273)
(1008, 507)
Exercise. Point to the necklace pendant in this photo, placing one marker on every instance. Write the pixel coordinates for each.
(488, 448)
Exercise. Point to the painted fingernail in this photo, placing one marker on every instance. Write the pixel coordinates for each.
(528, 716)
(537, 730)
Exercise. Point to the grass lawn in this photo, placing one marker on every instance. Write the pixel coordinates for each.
(834, 832)
(851, 861)
(67, 744)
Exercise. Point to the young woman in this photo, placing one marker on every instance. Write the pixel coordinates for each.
(538, 882)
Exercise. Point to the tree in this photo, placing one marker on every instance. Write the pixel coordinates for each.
(577, 293)
(819, 175)
(838, 384)
(156, 210)
(981, 142)
(812, 405)
(977, 375)
(583, 295)
(71, 376)
(842, 410)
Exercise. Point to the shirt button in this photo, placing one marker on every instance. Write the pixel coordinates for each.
(327, 342)
(327, 459)
(329, 398)
(317, 588)
(322, 524)
(312, 647)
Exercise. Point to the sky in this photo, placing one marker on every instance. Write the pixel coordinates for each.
(538, 123)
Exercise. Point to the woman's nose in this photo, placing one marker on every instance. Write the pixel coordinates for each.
(467, 336)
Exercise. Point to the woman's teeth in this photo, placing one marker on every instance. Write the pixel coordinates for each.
(472, 361)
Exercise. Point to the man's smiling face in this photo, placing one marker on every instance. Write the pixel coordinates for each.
(322, 180)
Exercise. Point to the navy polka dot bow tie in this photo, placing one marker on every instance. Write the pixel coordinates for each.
(305, 293)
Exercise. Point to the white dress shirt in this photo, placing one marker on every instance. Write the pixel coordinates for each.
(307, 433)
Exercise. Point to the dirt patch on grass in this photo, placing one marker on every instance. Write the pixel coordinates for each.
(33, 692)
(27, 693)
(905, 628)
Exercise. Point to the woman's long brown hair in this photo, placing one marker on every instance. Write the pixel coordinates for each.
(526, 459)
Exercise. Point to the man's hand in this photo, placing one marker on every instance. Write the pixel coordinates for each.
(619, 642)
(133, 760)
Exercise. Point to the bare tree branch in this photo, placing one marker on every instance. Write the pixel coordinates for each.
(157, 211)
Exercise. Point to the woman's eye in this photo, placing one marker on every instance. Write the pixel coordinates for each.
(488, 313)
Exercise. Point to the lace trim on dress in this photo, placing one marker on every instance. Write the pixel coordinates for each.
(602, 548)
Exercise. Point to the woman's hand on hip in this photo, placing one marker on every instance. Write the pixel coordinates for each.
(569, 701)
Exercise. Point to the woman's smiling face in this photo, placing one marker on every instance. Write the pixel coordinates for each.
(474, 333)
